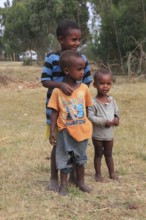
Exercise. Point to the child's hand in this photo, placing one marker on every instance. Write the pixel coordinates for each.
(116, 121)
(52, 140)
(66, 88)
(108, 124)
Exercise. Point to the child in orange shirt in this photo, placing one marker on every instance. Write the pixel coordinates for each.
(69, 113)
(68, 34)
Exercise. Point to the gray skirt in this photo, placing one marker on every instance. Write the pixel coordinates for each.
(69, 151)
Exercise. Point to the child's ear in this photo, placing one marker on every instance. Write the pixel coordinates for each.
(94, 85)
(60, 39)
(66, 70)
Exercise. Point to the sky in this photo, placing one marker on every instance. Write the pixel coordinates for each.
(2, 3)
(92, 25)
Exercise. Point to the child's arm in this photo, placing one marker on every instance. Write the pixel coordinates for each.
(61, 85)
(116, 114)
(53, 104)
(87, 73)
(48, 73)
(108, 124)
(53, 125)
(99, 121)
(116, 120)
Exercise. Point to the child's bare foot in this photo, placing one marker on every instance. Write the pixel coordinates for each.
(98, 178)
(83, 187)
(114, 176)
(63, 190)
(53, 185)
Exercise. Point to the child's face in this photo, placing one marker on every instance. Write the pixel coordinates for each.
(103, 83)
(71, 41)
(76, 69)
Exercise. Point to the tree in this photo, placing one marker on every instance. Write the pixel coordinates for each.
(16, 33)
(119, 21)
(31, 24)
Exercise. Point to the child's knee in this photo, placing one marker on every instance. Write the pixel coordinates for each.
(108, 154)
(98, 154)
(81, 161)
(66, 170)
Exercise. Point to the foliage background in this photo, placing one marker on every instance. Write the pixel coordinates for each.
(116, 36)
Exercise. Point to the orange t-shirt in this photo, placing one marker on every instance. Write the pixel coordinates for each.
(72, 111)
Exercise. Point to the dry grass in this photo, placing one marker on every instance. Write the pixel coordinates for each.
(25, 171)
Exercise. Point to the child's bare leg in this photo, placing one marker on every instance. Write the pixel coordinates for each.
(108, 146)
(80, 170)
(63, 183)
(97, 164)
(53, 185)
(98, 153)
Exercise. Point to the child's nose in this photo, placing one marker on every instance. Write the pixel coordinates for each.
(82, 72)
(78, 42)
(106, 86)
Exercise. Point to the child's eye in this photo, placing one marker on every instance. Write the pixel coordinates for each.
(101, 83)
(76, 39)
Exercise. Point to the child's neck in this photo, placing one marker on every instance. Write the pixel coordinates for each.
(70, 81)
(102, 98)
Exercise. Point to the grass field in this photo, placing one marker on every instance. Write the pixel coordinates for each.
(25, 171)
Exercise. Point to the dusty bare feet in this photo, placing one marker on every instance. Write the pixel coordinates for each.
(83, 187)
(98, 178)
(63, 190)
(113, 176)
(53, 185)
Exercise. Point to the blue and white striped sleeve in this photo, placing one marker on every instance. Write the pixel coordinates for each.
(47, 69)
(87, 73)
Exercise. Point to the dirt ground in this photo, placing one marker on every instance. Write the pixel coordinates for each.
(25, 171)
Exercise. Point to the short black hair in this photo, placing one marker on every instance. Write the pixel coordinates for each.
(64, 26)
(66, 58)
(100, 72)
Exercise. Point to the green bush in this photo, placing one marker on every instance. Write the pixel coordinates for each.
(27, 62)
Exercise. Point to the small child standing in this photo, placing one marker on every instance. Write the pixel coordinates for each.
(74, 128)
(104, 115)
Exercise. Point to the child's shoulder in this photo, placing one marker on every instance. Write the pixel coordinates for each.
(95, 101)
(84, 57)
(84, 86)
(56, 90)
(111, 98)
(53, 55)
